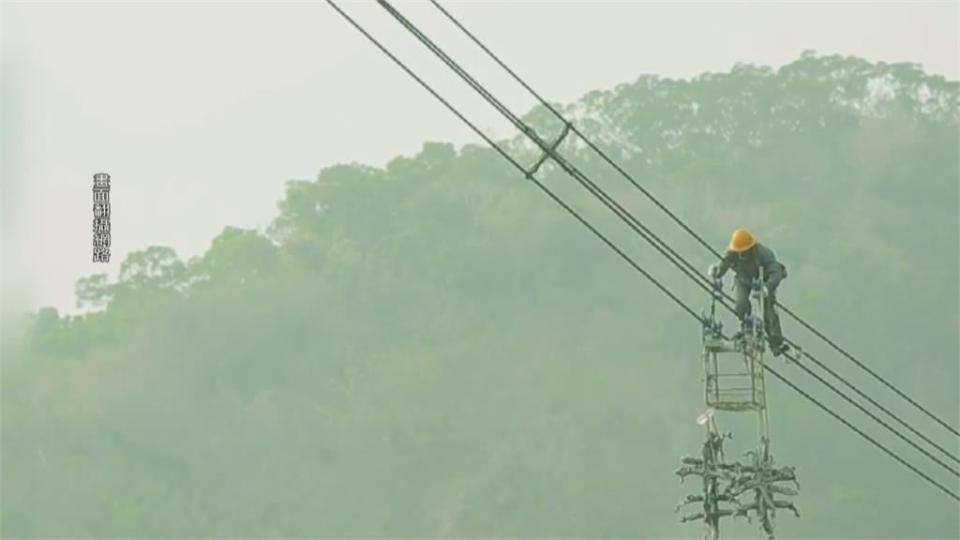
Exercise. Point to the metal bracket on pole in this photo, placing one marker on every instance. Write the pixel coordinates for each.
(731, 388)
(548, 153)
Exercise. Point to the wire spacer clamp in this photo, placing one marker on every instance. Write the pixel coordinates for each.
(552, 149)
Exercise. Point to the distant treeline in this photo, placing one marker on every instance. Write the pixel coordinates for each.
(436, 349)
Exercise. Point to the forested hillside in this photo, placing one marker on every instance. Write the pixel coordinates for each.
(436, 349)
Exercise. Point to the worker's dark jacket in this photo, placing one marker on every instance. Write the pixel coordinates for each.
(748, 267)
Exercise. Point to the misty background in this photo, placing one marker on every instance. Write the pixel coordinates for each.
(166, 96)
(332, 312)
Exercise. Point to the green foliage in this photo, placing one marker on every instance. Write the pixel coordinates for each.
(436, 349)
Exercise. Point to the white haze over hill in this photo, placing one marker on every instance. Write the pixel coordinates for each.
(202, 111)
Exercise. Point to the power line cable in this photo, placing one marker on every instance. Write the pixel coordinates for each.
(634, 223)
(519, 167)
(839, 418)
(600, 235)
(681, 223)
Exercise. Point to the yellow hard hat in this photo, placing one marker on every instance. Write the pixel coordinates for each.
(742, 240)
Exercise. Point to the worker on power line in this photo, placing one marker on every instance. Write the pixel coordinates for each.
(747, 256)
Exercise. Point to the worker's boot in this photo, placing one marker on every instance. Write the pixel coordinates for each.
(779, 347)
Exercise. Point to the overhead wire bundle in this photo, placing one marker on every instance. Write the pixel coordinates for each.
(550, 151)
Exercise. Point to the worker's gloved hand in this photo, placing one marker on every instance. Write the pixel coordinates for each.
(713, 271)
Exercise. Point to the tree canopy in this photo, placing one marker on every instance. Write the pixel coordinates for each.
(435, 349)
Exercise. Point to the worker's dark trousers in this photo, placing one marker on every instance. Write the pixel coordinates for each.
(771, 321)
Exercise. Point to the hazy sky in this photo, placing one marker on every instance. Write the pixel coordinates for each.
(202, 111)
